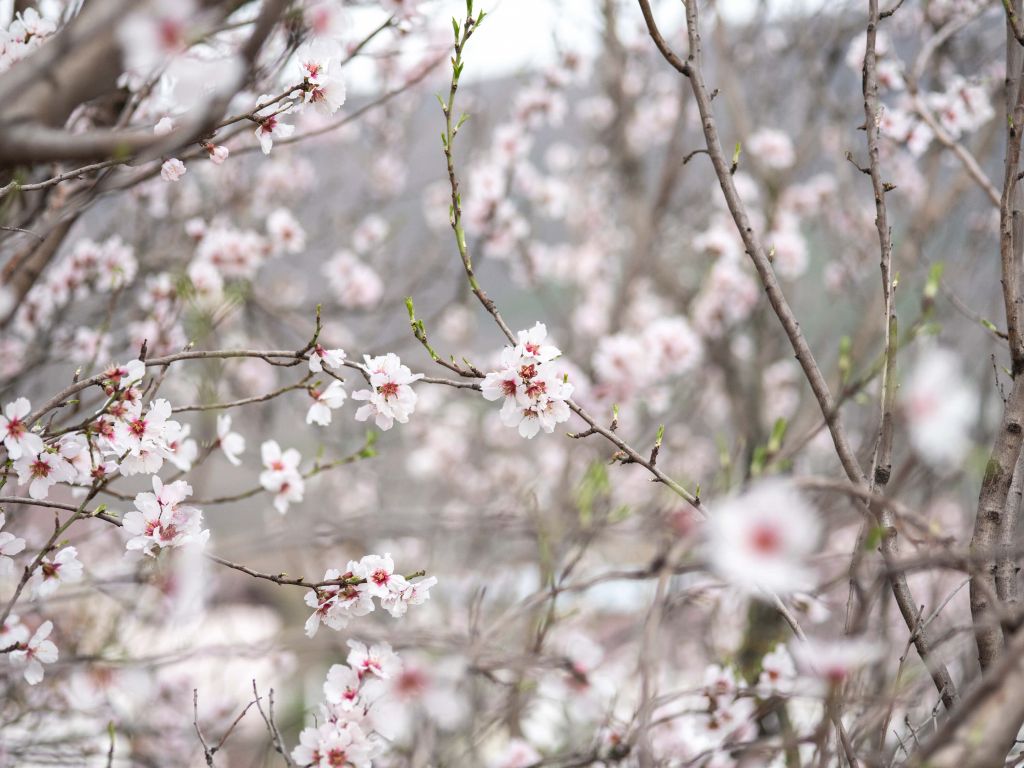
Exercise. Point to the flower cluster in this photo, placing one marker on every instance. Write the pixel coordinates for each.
(390, 398)
(535, 395)
(25, 34)
(351, 713)
(161, 520)
(372, 577)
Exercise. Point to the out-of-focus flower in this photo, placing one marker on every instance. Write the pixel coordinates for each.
(940, 406)
(761, 539)
(172, 169)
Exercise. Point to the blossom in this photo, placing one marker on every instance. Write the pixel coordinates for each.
(17, 435)
(281, 475)
(42, 470)
(172, 169)
(154, 34)
(379, 572)
(342, 686)
(332, 358)
(218, 153)
(13, 632)
(271, 128)
(329, 746)
(36, 652)
(516, 754)
(164, 126)
(10, 545)
(760, 539)
(64, 568)
(391, 398)
(772, 148)
(535, 395)
(377, 660)
(161, 520)
(403, 593)
(335, 604)
(326, 92)
(145, 439)
(355, 284)
(182, 450)
(231, 443)
(325, 401)
(285, 232)
(940, 406)
(832, 662)
(778, 673)
(121, 377)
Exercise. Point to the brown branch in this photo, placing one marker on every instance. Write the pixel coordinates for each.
(692, 69)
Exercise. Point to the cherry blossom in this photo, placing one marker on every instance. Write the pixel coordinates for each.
(18, 436)
(36, 652)
(391, 398)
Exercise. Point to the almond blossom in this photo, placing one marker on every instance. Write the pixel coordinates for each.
(940, 407)
(231, 443)
(325, 401)
(172, 170)
(18, 437)
(271, 128)
(36, 652)
(403, 593)
(761, 539)
(145, 439)
(320, 356)
(281, 475)
(337, 603)
(10, 545)
(535, 395)
(377, 659)
(63, 568)
(43, 470)
(161, 520)
(391, 398)
(328, 746)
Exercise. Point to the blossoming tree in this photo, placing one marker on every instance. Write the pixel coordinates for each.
(687, 416)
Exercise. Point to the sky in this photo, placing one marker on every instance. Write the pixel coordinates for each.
(520, 35)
